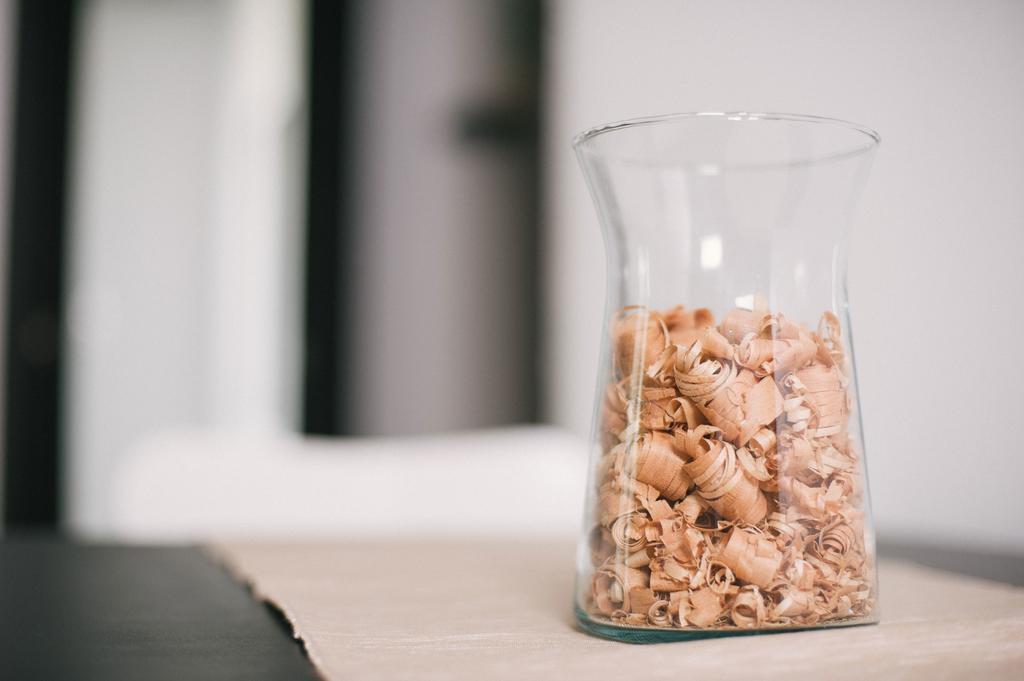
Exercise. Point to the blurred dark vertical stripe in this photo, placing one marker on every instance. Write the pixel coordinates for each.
(35, 268)
(326, 390)
(531, 41)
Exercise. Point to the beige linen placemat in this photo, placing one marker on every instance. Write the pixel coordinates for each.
(444, 610)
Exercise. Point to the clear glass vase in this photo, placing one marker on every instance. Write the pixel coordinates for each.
(727, 491)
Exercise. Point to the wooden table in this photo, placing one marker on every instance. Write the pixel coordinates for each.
(502, 610)
(446, 611)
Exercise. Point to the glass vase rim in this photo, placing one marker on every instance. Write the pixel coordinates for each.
(582, 141)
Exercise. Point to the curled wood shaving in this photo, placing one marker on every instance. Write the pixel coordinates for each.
(802, 575)
(658, 408)
(678, 318)
(787, 532)
(677, 571)
(823, 392)
(764, 405)
(712, 342)
(748, 608)
(738, 323)
(613, 585)
(763, 442)
(818, 502)
(658, 614)
(705, 607)
(641, 598)
(733, 400)
(600, 544)
(659, 372)
(719, 478)
(639, 559)
(690, 508)
(613, 501)
(658, 509)
(628, 532)
(755, 467)
(780, 326)
(697, 379)
(753, 557)
(721, 579)
(655, 463)
(835, 543)
(752, 415)
(678, 605)
(684, 543)
(793, 603)
(756, 353)
(630, 618)
(613, 409)
(702, 316)
(639, 338)
(725, 408)
(662, 409)
(764, 450)
(668, 576)
(766, 356)
(830, 344)
(687, 414)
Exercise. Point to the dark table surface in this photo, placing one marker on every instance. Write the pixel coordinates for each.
(70, 611)
(73, 611)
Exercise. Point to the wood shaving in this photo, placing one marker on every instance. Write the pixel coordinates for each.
(748, 608)
(721, 481)
(705, 607)
(652, 461)
(639, 337)
(753, 557)
(730, 492)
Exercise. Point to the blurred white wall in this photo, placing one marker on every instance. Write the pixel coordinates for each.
(185, 228)
(935, 280)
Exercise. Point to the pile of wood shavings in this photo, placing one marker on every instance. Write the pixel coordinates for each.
(730, 492)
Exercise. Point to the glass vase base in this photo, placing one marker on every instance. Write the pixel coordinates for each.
(633, 634)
